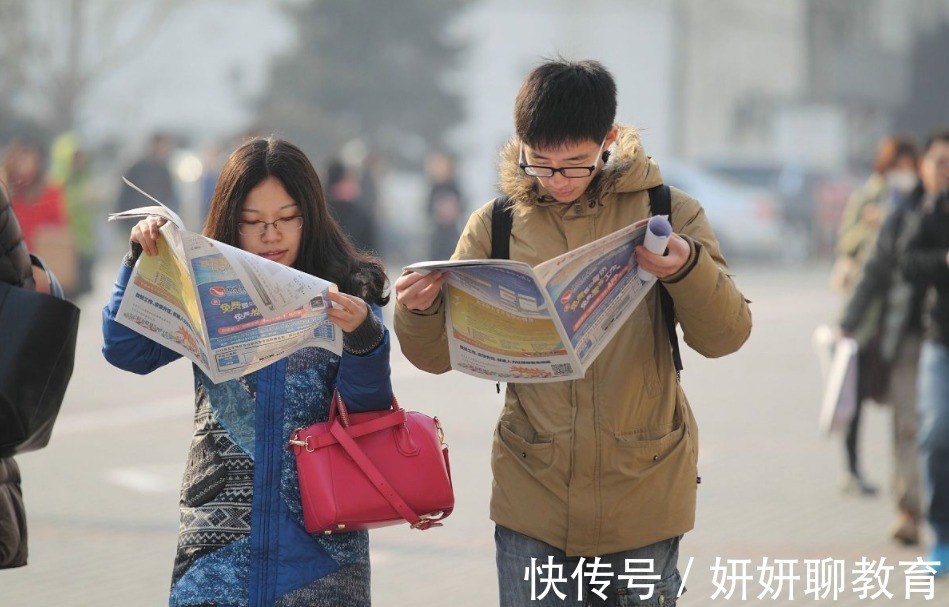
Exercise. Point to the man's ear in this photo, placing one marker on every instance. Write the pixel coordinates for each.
(611, 136)
(609, 140)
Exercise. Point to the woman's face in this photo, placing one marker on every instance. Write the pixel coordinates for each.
(271, 223)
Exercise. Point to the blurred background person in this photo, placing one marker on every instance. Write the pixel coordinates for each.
(15, 269)
(371, 176)
(926, 262)
(19, 270)
(37, 202)
(40, 207)
(885, 313)
(71, 170)
(153, 175)
(344, 197)
(445, 206)
(211, 162)
(894, 175)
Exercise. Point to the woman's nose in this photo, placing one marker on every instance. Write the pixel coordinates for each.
(271, 234)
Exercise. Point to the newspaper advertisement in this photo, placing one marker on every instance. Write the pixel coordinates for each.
(229, 311)
(507, 321)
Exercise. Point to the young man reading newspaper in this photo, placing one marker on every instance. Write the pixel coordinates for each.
(604, 466)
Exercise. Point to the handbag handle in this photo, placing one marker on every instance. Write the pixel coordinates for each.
(337, 406)
(374, 475)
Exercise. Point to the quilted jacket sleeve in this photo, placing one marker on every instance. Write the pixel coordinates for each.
(365, 381)
(713, 313)
(15, 266)
(123, 347)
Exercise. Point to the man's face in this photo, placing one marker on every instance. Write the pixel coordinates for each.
(934, 168)
(585, 154)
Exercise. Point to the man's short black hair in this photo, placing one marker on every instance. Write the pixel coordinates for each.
(564, 102)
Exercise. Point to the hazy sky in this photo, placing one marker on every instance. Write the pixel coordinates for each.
(194, 75)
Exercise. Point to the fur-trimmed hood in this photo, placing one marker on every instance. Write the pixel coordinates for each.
(628, 169)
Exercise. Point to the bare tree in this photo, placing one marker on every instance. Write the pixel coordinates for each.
(367, 69)
(53, 51)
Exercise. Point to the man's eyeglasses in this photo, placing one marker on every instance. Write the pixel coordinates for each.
(259, 228)
(569, 172)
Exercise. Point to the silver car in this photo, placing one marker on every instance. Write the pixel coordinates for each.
(747, 220)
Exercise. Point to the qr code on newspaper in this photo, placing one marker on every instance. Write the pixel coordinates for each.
(562, 369)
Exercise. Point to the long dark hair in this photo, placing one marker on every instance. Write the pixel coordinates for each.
(325, 251)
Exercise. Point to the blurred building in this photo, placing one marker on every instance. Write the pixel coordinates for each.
(808, 82)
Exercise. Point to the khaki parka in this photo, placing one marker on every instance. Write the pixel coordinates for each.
(606, 463)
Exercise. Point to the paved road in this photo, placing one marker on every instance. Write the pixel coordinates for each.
(102, 498)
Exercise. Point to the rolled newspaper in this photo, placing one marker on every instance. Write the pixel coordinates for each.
(657, 236)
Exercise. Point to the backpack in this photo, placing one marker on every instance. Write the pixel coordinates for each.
(660, 203)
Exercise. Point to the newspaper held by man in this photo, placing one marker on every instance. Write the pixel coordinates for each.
(229, 311)
(507, 321)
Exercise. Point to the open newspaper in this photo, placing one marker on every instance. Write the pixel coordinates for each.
(229, 311)
(507, 321)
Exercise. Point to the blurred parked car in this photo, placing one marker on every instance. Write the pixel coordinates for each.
(811, 200)
(747, 220)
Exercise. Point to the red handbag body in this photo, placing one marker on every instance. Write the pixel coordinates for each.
(359, 471)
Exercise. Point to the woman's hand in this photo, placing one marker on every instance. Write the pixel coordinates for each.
(418, 291)
(145, 233)
(348, 311)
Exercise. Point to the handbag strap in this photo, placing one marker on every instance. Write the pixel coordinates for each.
(377, 479)
(312, 443)
(338, 407)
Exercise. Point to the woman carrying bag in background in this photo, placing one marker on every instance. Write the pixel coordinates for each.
(35, 367)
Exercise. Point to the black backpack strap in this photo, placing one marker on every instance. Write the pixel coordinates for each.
(502, 220)
(660, 203)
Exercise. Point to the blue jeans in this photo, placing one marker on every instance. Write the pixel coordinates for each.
(934, 435)
(532, 573)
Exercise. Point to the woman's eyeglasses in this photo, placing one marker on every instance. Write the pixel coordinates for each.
(259, 228)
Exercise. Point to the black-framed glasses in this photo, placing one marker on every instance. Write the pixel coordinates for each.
(259, 228)
(569, 172)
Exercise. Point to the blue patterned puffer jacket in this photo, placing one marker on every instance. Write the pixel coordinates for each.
(241, 540)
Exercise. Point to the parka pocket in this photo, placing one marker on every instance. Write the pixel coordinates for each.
(654, 443)
(536, 453)
(205, 475)
(638, 455)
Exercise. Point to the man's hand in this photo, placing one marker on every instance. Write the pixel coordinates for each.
(418, 292)
(677, 253)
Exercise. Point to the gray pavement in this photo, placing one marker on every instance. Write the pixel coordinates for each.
(102, 498)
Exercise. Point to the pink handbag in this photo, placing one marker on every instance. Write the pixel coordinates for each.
(364, 470)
